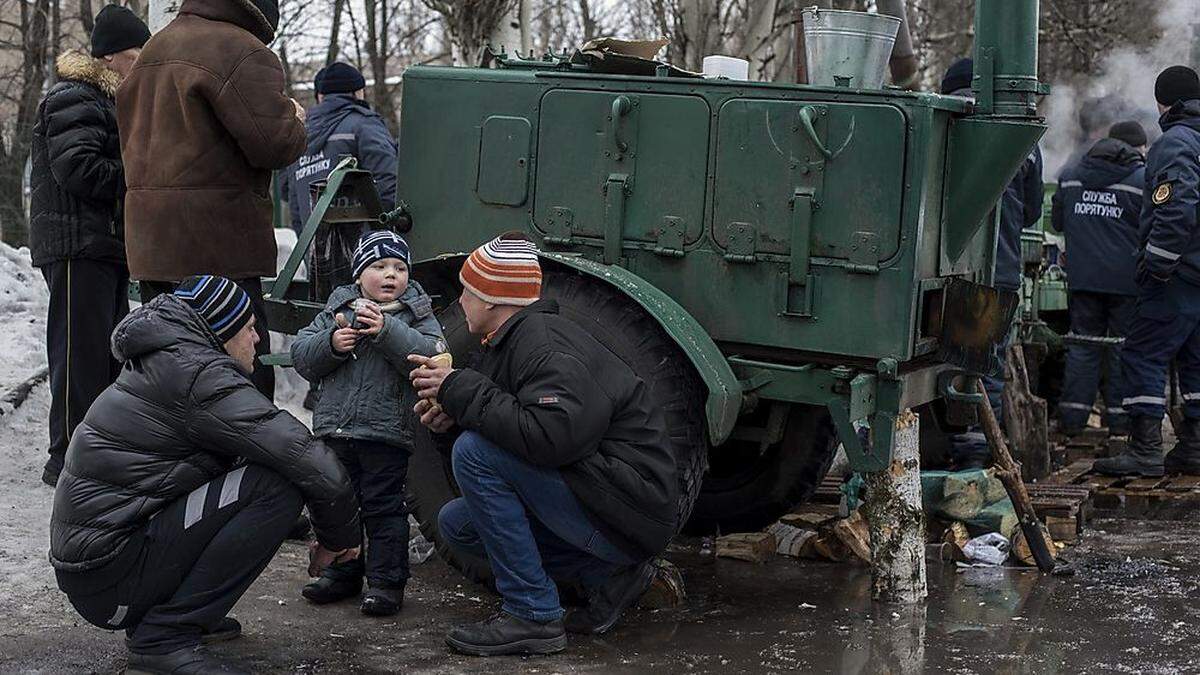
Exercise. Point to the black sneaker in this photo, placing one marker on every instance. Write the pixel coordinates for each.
(187, 661)
(609, 602)
(382, 601)
(505, 634)
(326, 590)
(51, 471)
(228, 629)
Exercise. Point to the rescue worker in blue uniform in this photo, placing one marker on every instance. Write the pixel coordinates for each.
(1166, 323)
(341, 124)
(1020, 207)
(1098, 207)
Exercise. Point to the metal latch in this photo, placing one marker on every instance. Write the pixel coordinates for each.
(615, 189)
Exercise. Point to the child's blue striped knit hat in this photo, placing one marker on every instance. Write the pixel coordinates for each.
(377, 245)
(223, 305)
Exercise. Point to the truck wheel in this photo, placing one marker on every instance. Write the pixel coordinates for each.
(745, 493)
(625, 328)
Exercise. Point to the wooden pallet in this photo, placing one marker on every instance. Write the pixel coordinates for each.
(1168, 498)
(1064, 508)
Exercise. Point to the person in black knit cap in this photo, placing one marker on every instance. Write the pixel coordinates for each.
(183, 480)
(76, 226)
(1166, 321)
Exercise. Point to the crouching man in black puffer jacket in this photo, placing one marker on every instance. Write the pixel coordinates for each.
(183, 480)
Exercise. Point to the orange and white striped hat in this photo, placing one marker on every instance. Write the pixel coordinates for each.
(504, 272)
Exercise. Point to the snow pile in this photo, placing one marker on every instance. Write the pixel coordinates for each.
(23, 301)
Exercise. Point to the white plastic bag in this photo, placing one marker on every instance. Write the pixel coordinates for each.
(990, 549)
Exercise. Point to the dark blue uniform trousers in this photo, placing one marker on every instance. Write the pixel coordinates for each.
(1103, 315)
(1165, 327)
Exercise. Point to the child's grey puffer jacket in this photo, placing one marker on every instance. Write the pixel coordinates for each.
(368, 396)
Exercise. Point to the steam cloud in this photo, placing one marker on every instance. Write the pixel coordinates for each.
(1122, 89)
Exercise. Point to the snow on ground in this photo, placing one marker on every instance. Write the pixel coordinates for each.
(23, 300)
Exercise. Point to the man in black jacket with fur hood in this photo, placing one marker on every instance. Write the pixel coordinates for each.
(76, 231)
(566, 470)
(183, 480)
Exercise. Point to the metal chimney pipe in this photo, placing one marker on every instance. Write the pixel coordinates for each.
(1006, 55)
(903, 63)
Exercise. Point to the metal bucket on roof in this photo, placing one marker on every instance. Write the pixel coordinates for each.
(848, 49)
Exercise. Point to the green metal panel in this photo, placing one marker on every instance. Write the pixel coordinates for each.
(765, 153)
(648, 151)
(724, 391)
(504, 160)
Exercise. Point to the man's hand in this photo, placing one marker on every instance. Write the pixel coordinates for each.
(427, 376)
(432, 416)
(371, 317)
(320, 557)
(300, 114)
(344, 337)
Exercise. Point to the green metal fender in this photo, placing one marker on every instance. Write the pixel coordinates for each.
(724, 391)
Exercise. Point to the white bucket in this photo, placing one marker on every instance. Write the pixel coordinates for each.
(726, 67)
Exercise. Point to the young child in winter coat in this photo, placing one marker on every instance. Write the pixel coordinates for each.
(357, 349)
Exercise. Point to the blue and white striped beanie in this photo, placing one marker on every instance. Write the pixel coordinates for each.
(223, 305)
(377, 245)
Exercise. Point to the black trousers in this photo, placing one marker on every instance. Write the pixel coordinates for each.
(87, 300)
(185, 569)
(378, 472)
(263, 376)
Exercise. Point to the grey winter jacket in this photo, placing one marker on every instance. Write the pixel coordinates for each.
(367, 397)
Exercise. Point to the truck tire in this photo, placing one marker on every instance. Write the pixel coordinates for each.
(744, 493)
(626, 329)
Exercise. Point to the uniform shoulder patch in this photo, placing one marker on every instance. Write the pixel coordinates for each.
(1161, 194)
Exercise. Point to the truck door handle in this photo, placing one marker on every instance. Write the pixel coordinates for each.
(620, 108)
(807, 115)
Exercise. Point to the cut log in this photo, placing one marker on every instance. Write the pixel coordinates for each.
(897, 523)
(996, 518)
(756, 547)
(962, 497)
(955, 538)
(790, 540)
(855, 535)
(666, 591)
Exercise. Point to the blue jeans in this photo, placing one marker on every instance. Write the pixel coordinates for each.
(525, 521)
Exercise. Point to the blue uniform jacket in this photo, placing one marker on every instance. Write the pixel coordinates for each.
(341, 125)
(1098, 206)
(1020, 207)
(1172, 197)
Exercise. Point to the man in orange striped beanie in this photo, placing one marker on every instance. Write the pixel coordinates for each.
(565, 468)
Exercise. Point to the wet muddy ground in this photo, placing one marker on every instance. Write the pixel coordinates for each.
(1133, 605)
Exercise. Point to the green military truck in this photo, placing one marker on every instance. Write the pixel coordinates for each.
(788, 266)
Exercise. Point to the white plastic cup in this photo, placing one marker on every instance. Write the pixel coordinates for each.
(726, 67)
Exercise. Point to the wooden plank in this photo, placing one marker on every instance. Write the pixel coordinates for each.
(755, 547)
(1069, 475)
(1183, 483)
(1144, 484)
